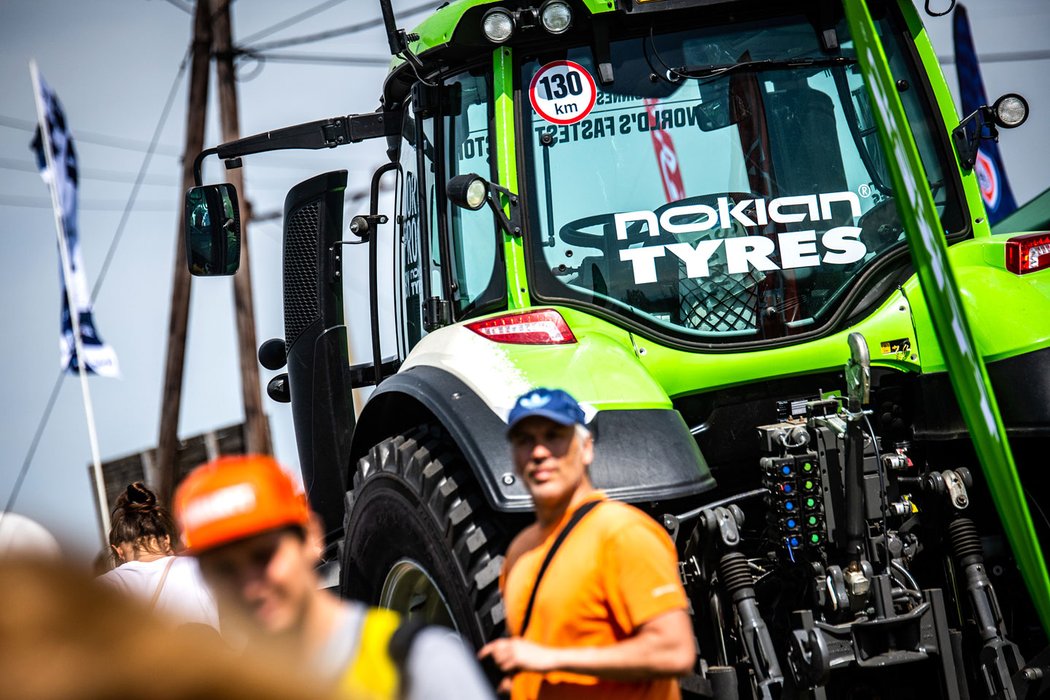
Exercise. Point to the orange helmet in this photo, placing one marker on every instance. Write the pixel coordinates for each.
(236, 497)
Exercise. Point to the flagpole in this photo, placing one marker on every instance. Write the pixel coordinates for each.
(74, 312)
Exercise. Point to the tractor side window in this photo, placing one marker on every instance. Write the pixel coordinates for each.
(418, 256)
(476, 250)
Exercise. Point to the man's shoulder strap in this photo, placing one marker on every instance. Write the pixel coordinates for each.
(576, 517)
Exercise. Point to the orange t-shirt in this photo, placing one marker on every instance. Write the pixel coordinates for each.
(615, 571)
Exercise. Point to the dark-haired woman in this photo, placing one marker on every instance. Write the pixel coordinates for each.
(143, 537)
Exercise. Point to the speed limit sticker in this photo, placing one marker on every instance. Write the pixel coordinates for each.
(562, 92)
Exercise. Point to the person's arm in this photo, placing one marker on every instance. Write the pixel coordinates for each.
(662, 646)
(439, 666)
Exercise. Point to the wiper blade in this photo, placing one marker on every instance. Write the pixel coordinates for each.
(760, 65)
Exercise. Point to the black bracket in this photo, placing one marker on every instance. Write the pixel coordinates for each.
(970, 132)
(511, 224)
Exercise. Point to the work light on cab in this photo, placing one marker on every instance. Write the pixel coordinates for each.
(468, 191)
(556, 16)
(539, 327)
(1028, 253)
(1011, 110)
(498, 25)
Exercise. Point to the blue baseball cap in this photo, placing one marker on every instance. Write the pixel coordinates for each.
(553, 404)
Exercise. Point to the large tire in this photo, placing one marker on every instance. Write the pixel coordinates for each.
(420, 540)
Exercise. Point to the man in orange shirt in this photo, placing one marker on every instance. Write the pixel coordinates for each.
(608, 619)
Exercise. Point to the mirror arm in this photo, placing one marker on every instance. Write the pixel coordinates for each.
(324, 133)
(197, 164)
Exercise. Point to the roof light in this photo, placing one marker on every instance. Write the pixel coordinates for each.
(1028, 253)
(556, 16)
(540, 327)
(498, 25)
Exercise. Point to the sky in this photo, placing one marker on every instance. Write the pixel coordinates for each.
(114, 64)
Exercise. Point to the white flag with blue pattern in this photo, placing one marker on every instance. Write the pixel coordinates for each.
(99, 358)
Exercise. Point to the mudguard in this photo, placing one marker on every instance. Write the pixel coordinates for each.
(640, 454)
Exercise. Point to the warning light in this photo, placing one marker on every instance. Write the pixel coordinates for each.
(789, 505)
(791, 523)
(1028, 253)
(793, 541)
(786, 470)
(787, 488)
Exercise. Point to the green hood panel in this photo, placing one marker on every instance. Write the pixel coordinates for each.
(682, 373)
(1001, 329)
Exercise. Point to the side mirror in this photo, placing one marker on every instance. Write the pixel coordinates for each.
(213, 230)
(1008, 112)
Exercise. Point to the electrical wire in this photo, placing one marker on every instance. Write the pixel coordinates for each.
(93, 137)
(11, 200)
(13, 496)
(294, 19)
(142, 172)
(182, 6)
(319, 59)
(340, 31)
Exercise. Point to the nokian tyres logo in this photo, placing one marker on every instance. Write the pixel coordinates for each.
(839, 245)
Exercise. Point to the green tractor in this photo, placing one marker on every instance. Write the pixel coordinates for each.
(748, 237)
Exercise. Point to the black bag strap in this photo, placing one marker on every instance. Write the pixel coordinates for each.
(401, 641)
(576, 517)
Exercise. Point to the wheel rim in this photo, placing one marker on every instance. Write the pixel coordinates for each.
(410, 590)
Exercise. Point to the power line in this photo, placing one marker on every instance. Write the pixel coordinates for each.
(294, 19)
(142, 171)
(87, 173)
(340, 31)
(320, 59)
(181, 5)
(33, 445)
(92, 137)
(12, 200)
(1004, 57)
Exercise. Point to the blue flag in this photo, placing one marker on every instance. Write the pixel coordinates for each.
(99, 358)
(995, 190)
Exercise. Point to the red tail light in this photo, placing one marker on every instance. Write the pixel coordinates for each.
(540, 327)
(1028, 253)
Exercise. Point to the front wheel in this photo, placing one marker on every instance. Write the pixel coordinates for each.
(420, 540)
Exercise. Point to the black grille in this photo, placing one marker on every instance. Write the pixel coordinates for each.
(300, 272)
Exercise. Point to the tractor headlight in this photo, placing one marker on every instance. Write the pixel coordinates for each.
(497, 25)
(556, 16)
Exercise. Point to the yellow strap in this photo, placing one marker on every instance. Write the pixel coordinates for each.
(372, 674)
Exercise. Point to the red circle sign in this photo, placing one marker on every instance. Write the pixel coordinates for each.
(562, 92)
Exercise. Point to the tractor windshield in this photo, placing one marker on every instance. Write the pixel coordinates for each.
(726, 185)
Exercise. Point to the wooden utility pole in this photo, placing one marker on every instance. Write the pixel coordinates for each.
(171, 399)
(256, 430)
